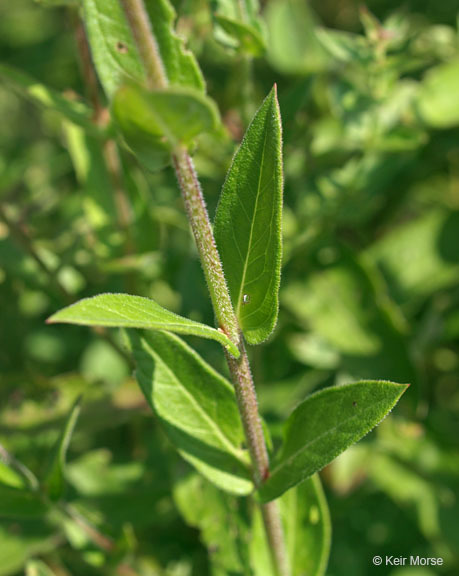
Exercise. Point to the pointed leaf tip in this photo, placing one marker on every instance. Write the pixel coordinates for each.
(251, 203)
(326, 424)
(127, 311)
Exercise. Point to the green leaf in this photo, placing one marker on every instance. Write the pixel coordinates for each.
(323, 426)
(115, 54)
(10, 477)
(21, 503)
(419, 257)
(216, 514)
(341, 305)
(27, 538)
(307, 530)
(248, 223)
(305, 519)
(73, 110)
(247, 38)
(126, 311)
(113, 49)
(38, 568)
(293, 46)
(180, 64)
(153, 123)
(196, 405)
(439, 94)
(307, 527)
(54, 481)
(97, 198)
(238, 25)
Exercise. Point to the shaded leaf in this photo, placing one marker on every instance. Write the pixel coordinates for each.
(73, 110)
(196, 405)
(126, 311)
(307, 530)
(419, 257)
(153, 123)
(20, 503)
(248, 223)
(342, 305)
(216, 514)
(323, 426)
(27, 539)
(54, 481)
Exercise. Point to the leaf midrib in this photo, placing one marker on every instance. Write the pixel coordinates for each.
(306, 446)
(252, 224)
(232, 449)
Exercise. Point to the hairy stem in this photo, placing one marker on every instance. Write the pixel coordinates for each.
(207, 248)
(145, 42)
(218, 289)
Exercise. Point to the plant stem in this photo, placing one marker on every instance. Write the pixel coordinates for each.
(207, 248)
(145, 40)
(218, 289)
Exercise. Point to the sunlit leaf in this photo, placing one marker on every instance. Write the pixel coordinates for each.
(439, 94)
(126, 311)
(38, 568)
(115, 53)
(248, 223)
(323, 426)
(293, 47)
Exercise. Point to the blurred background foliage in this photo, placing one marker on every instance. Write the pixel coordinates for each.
(369, 99)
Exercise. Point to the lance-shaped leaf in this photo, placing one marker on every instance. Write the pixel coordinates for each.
(248, 223)
(54, 481)
(115, 53)
(323, 426)
(307, 529)
(126, 311)
(154, 122)
(196, 405)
